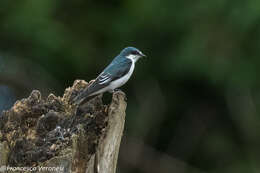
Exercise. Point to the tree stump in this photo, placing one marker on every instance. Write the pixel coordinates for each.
(54, 135)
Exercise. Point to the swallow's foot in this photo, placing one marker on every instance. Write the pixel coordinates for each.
(114, 90)
(117, 90)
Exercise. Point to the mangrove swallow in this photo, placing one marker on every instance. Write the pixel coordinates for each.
(116, 74)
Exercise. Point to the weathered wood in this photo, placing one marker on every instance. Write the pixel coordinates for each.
(109, 147)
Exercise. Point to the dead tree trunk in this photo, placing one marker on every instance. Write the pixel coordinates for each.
(53, 135)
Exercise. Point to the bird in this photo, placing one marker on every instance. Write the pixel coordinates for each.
(116, 74)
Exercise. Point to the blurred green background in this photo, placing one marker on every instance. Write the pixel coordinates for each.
(193, 104)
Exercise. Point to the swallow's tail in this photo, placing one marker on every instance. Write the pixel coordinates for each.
(81, 97)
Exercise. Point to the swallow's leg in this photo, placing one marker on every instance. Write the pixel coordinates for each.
(117, 90)
(114, 90)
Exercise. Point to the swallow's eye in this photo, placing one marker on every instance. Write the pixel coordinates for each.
(135, 52)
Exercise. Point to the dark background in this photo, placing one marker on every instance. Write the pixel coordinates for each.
(193, 104)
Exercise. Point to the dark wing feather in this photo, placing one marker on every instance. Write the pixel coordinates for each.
(114, 71)
(119, 68)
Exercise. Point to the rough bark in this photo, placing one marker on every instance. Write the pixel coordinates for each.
(52, 133)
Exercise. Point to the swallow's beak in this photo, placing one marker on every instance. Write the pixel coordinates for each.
(142, 55)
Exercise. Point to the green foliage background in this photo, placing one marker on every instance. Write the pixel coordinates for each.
(195, 100)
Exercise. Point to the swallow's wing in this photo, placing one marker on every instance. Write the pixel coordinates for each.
(114, 71)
